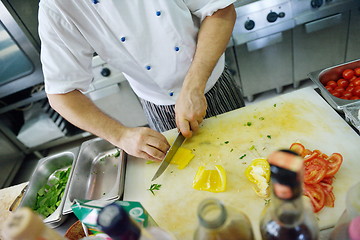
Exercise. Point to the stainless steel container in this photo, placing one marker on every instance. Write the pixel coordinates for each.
(321, 77)
(99, 172)
(43, 173)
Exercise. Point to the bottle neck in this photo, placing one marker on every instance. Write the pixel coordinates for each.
(212, 214)
(287, 212)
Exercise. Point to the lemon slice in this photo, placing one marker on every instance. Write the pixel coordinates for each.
(258, 172)
(182, 157)
(210, 180)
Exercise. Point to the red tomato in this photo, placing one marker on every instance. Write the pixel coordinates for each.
(336, 94)
(315, 170)
(332, 84)
(356, 82)
(342, 83)
(339, 89)
(316, 195)
(357, 72)
(330, 89)
(349, 88)
(334, 163)
(352, 79)
(348, 74)
(311, 157)
(347, 94)
(345, 98)
(328, 180)
(356, 91)
(354, 98)
(351, 84)
(298, 148)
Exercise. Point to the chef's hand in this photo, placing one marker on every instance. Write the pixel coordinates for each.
(190, 110)
(144, 143)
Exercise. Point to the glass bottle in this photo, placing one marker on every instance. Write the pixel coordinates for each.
(286, 216)
(348, 225)
(217, 222)
(25, 224)
(115, 222)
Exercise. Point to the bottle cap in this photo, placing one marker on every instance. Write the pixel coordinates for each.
(354, 229)
(115, 221)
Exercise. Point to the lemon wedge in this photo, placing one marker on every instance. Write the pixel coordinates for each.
(182, 157)
(210, 180)
(258, 172)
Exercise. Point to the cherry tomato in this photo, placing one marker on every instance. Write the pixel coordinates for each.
(315, 170)
(347, 94)
(354, 98)
(316, 195)
(356, 91)
(339, 89)
(334, 163)
(328, 180)
(348, 74)
(357, 71)
(356, 82)
(342, 83)
(336, 94)
(332, 84)
(349, 89)
(353, 78)
(329, 88)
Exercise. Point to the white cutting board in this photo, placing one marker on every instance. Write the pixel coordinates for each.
(301, 116)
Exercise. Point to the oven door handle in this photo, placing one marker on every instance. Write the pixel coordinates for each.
(264, 42)
(323, 23)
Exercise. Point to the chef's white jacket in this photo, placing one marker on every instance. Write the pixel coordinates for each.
(151, 41)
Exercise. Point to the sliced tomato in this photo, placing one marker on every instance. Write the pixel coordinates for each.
(334, 163)
(327, 187)
(298, 148)
(315, 170)
(321, 154)
(316, 195)
(311, 157)
(329, 199)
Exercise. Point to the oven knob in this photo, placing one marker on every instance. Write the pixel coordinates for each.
(105, 72)
(249, 25)
(316, 3)
(272, 17)
(281, 14)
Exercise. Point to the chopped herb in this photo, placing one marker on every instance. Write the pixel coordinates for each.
(231, 150)
(210, 155)
(261, 118)
(242, 156)
(103, 193)
(244, 163)
(226, 142)
(267, 201)
(149, 162)
(154, 187)
(275, 105)
(252, 147)
(117, 154)
(268, 136)
(171, 171)
(248, 124)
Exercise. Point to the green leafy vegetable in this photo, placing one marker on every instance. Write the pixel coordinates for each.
(261, 118)
(268, 136)
(226, 142)
(49, 196)
(154, 187)
(243, 156)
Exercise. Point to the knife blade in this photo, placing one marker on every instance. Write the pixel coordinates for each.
(169, 155)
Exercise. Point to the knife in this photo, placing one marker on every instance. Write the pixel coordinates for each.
(169, 155)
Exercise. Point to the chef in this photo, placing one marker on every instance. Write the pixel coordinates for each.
(170, 51)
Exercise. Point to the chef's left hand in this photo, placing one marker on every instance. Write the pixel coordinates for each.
(190, 110)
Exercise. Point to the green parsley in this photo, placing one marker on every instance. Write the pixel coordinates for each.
(149, 162)
(261, 118)
(268, 136)
(226, 142)
(267, 201)
(275, 105)
(231, 150)
(154, 187)
(242, 156)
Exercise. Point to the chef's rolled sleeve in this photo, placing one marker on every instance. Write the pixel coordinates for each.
(204, 8)
(65, 55)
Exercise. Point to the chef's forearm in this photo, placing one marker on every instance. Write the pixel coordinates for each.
(83, 113)
(214, 35)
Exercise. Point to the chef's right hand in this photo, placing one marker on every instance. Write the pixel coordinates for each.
(144, 143)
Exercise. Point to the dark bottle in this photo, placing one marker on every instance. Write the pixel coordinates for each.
(115, 222)
(286, 217)
(217, 222)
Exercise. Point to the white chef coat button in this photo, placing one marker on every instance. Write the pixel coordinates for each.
(158, 13)
(123, 39)
(171, 93)
(176, 49)
(148, 67)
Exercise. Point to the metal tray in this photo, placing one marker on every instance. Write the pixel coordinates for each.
(98, 173)
(321, 77)
(44, 171)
